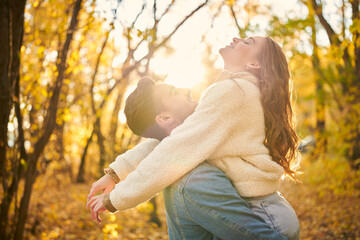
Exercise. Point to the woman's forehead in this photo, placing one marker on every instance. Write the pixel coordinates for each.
(259, 39)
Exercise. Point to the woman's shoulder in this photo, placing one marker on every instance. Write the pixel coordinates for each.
(219, 90)
(246, 79)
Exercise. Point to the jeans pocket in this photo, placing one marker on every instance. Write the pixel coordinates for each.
(283, 217)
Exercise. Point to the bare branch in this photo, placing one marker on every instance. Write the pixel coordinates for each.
(213, 20)
(333, 38)
(131, 68)
(316, 60)
(96, 70)
(154, 28)
(356, 15)
(138, 15)
(137, 46)
(241, 31)
(343, 19)
(179, 25)
(167, 9)
(154, 11)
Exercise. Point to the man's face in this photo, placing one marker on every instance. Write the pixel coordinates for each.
(177, 101)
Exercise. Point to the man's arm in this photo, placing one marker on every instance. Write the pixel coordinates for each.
(188, 145)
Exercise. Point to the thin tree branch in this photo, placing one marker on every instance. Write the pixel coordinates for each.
(179, 25)
(138, 15)
(333, 37)
(241, 31)
(154, 11)
(167, 9)
(95, 72)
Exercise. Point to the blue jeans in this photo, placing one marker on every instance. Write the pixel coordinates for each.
(278, 213)
(205, 205)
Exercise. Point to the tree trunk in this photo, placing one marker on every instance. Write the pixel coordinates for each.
(5, 80)
(356, 16)
(100, 141)
(97, 112)
(354, 151)
(153, 215)
(60, 149)
(320, 133)
(50, 122)
(320, 136)
(114, 124)
(80, 177)
(18, 168)
(25, 200)
(11, 28)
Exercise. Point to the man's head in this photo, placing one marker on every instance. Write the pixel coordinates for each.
(153, 110)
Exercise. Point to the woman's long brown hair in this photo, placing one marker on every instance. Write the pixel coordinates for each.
(276, 93)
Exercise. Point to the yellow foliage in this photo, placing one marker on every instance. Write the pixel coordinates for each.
(145, 207)
(40, 51)
(230, 2)
(35, 4)
(112, 217)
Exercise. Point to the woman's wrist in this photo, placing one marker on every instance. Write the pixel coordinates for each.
(112, 174)
(107, 203)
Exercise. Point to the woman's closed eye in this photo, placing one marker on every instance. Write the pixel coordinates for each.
(248, 41)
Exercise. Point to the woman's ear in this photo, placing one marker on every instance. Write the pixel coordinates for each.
(253, 66)
(164, 119)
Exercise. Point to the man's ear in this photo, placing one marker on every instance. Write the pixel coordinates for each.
(164, 119)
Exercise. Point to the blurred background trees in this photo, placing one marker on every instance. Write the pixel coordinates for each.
(68, 65)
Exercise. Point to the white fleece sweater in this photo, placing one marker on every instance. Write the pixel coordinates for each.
(227, 129)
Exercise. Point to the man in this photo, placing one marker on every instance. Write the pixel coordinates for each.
(201, 205)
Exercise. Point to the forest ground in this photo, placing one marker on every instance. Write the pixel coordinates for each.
(327, 203)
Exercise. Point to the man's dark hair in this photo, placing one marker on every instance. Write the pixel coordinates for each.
(141, 108)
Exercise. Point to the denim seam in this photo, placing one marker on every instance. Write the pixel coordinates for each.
(271, 217)
(183, 194)
(177, 217)
(240, 230)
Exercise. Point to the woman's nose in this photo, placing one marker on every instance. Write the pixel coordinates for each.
(236, 39)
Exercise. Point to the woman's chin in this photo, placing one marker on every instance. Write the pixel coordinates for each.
(222, 51)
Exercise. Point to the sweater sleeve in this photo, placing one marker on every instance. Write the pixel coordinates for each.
(187, 146)
(128, 161)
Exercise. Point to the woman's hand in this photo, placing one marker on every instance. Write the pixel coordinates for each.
(96, 205)
(105, 184)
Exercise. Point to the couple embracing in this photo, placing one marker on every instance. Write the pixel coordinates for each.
(219, 162)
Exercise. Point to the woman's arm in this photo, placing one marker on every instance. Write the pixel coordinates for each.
(188, 145)
(128, 161)
(120, 168)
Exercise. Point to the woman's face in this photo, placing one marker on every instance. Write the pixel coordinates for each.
(241, 52)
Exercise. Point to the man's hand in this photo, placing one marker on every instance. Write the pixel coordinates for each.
(96, 205)
(105, 184)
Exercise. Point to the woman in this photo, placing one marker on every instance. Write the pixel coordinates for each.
(243, 125)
